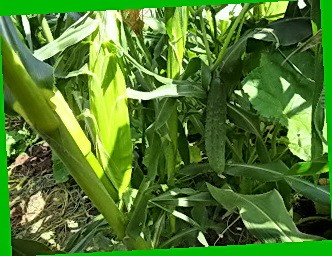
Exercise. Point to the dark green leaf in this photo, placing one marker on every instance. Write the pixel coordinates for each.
(192, 67)
(22, 247)
(284, 30)
(60, 172)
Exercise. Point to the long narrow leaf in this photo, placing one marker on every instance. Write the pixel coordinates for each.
(264, 215)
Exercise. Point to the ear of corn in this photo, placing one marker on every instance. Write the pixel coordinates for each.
(108, 104)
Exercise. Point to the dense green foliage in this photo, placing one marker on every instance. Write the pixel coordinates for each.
(191, 116)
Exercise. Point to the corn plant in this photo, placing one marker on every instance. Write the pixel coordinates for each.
(166, 122)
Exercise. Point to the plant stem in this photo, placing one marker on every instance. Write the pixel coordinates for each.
(46, 28)
(230, 35)
(206, 43)
(49, 114)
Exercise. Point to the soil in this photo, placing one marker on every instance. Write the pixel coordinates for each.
(41, 209)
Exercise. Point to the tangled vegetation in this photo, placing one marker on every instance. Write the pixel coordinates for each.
(186, 126)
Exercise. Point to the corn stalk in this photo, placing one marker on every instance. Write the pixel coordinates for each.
(31, 93)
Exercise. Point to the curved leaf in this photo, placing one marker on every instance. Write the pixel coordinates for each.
(276, 171)
(23, 247)
(314, 167)
(319, 194)
(82, 28)
(284, 30)
(264, 215)
(263, 172)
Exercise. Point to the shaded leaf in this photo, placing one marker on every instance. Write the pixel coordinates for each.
(22, 247)
(284, 30)
(263, 172)
(319, 194)
(60, 171)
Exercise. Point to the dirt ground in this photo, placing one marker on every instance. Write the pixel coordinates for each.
(41, 209)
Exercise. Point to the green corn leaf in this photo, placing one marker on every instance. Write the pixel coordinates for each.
(152, 156)
(176, 27)
(179, 236)
(169, 90)
(192, 67)
(277, 171)
(159, 78)
(264, 215)
(80, 240)
(202, 198)
(176, 21)
(81, 29)
(178, 214)
(139, 214)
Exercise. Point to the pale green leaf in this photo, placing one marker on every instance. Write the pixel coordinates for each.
(74, 34)
(281, 93)
(274, 10)
(314, 167)
(169, 90)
